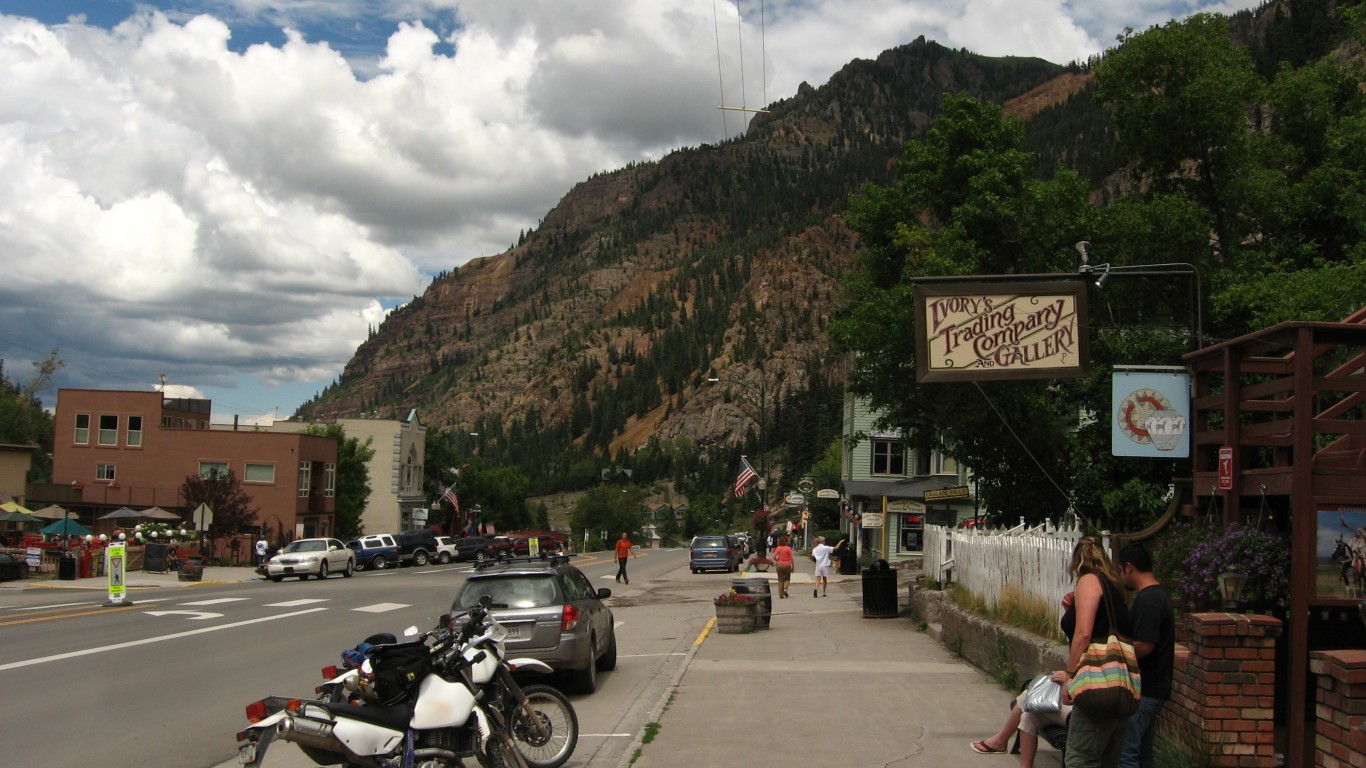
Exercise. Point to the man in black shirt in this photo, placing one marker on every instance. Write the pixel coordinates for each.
(1154, 639)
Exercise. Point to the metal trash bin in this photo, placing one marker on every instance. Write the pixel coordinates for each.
(763, 612)
(879, 591)
(66, 567)
(848, 562)
(192, 570)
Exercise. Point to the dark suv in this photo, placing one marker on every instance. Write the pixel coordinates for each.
(550, 611)
(483, 548)
(416, 547)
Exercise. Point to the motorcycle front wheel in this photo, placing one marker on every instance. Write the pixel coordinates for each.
(549, 739)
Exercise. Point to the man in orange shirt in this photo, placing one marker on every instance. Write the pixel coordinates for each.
(623, 551)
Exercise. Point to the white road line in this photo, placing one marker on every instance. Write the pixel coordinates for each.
(438, 570)
(381, 607)
(297, 603)
(55, 605)
(149, 640)
(217, 600)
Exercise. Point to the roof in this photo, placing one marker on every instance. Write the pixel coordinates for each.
(900, 488)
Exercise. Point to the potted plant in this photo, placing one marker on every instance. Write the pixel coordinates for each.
(760, 564)
(735, 613)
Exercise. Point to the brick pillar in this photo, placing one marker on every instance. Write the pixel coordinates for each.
(1224, 689)
(1340, 706)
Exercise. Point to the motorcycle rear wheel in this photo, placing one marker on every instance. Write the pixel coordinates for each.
(552, 744)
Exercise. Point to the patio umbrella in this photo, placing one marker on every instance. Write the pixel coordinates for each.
(50, 512)
(17, 517)
(123, 513)
(157, 513)
(65, 527)
(11, 506)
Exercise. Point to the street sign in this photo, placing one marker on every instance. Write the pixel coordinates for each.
(419, 516)
(827, 493)
(1225, 469)
(872, 519)
(941, 494)
(117, 570)
(203, 517)
(795, 499)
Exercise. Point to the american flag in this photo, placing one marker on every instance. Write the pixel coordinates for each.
(747, 476)
(452, 499)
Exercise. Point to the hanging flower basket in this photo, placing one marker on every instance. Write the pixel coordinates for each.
(760, 564)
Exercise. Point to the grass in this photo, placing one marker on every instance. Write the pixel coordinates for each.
(1014, 607)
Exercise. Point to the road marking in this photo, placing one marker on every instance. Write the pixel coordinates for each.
(441, 569)
(703, 636)
(95, 612)
(55, 605)
(216, 601)
(194, 615)
(149, 640)
(297, 603)
(381, 607)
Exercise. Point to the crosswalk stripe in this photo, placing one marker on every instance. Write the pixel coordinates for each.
(216, 601)
(297, 603)
(380, 607)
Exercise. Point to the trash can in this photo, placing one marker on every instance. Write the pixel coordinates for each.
(848, 562)
(192, 570)
(87, 565)
(66, 567)
(763, 612)
(879, 591)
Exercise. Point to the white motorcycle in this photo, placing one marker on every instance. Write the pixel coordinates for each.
(425, 714)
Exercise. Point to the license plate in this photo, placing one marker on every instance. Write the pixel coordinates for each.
(246, 753)
(289, 570)
(514, 631)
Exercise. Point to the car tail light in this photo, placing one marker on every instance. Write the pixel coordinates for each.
(569, 619)
(329, 672)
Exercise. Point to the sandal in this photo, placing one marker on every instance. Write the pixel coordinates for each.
(983, 748)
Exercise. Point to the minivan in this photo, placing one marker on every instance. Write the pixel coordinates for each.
(713, 553)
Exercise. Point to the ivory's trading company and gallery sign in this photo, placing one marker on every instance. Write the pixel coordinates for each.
(1000, 330)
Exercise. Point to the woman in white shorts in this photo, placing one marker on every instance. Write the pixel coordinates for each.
(1028, 724)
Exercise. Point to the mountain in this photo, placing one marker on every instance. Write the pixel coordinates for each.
(597, 331)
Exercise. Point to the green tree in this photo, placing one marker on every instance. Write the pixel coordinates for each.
(23, 421)
(610, 508)
(233, 511)
(353, 479)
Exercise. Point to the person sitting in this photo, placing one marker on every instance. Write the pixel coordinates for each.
(1028, 724)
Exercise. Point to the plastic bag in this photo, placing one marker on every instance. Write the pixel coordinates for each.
(1042, 696)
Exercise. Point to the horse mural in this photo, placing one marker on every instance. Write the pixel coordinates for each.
(1351, 556)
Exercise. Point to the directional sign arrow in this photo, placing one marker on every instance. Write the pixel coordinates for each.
(194, 615)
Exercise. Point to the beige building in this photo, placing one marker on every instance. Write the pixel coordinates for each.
(396, 500)
(15, 461)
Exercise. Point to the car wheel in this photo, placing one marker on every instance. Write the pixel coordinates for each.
(694, 570)
(586, 680)
(420, 557)
(608, 660)
(378, 562)
(322, 570)
(443, 558)
(360, 566)
(350, 568)
(277, 579)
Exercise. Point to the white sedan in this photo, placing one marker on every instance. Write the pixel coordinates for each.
(312, 557)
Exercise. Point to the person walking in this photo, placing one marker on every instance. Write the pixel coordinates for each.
(821, 554)
(783, 557)
(1154, 641)
(624, 551)
(262, 549)
(1093, 741)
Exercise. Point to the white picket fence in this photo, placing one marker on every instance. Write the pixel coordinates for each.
(1033, 560)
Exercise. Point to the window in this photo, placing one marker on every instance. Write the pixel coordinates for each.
(305, 478)
(889, 457)
(329, 480)
(134, 431)
(109, 429)
(922, 462)
(105, 472)
(82, 429)
(947, 466)
(260, 473)
(210, 468)
(166, 422)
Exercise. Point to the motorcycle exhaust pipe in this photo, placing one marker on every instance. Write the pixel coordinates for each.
(310, 733)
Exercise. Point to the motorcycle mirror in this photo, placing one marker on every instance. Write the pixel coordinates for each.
(411, 632)
(445, 621)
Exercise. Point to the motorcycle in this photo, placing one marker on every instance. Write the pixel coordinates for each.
(425, 714)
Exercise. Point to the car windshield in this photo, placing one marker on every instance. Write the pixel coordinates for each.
(307, 546)
(532, 591)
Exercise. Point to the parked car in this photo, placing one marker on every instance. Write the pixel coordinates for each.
(416, 547)
(445, 549)
(713, 553)
(311, 557)
(551, 612)
(12, 567)
(521, 545)
(481, 548)
(375, 552)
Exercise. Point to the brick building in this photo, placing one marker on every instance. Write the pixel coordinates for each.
(116, 448)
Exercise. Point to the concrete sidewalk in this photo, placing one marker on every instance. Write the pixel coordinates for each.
(138, 580)
(825, 686)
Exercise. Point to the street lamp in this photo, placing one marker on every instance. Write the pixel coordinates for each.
(762, 389)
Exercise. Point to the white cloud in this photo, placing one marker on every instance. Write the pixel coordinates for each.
(240, 216)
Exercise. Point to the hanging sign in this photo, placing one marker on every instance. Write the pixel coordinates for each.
(1151, 412)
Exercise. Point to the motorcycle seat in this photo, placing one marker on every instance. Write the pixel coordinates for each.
(394, 718)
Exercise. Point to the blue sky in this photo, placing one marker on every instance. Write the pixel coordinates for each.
(231, 193)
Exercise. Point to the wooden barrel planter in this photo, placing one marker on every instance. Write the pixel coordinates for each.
(763, 611)
(735, 619)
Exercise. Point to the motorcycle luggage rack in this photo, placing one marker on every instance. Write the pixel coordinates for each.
(558, 558)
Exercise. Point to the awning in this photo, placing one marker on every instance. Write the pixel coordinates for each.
(900, 488)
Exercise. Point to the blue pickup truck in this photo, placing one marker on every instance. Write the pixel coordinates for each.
(375, 552)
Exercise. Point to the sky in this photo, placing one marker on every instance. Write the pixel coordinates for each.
(227, 195)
